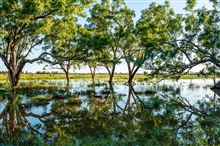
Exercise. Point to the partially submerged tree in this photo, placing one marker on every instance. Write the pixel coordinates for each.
(95, 43)
(67, 46)
(112, 18)
(133, 54)
(26, 25)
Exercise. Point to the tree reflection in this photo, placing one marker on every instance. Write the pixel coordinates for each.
(16, 129)
(160, 119)
(193, 124)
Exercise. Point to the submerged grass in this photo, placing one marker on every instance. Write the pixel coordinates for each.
(146, 92)
(41, 98)
(44, 79)
(168, 88)
(193, 86)
(74, 100)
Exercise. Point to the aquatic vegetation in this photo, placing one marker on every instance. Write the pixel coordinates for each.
(5, 85)
(74, 100)
(165, 88)
(99, 84)
(168, 88)
(146, 92)
(39, 84)
(193, 86)
(41, 98)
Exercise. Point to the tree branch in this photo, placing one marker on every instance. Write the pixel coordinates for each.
(44, 16)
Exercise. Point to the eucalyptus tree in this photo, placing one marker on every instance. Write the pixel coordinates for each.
(27, 26)
(133, 54)
(201, 38)
(94, 42)
(157, 25)
(67, 46)
(181, 42)
(112, 18)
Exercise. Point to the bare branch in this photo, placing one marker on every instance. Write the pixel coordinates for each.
(32, 46)
(41, 58)
(45, 15)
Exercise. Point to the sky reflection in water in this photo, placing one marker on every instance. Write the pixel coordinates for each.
(127, 114)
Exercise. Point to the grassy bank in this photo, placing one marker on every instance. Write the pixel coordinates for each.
(118, 77)
(4, 77)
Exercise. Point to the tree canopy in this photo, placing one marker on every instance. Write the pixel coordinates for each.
(161, 40)
(29, 25)
(114, 20)
(181, 41)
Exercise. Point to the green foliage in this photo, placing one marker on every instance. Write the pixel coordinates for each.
(180, 41)
(111, 22)
(167, 43)
(30, 25)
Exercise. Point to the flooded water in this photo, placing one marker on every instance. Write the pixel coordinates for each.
(169, 113)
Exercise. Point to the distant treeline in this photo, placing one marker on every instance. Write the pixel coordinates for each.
(3, 72)
(38, 72)
(56, 72)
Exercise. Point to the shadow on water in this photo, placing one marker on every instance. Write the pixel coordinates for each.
(112, 119)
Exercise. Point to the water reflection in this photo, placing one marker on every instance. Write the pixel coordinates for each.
(15, 126)
(110, 117)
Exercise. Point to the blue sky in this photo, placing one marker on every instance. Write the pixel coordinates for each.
(138, 6)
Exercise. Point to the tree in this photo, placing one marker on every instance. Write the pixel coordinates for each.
(67, 46)
(155, 27)
(113, 19)
(181, 41)
(95, 43)
(26, 26)
(133, 53)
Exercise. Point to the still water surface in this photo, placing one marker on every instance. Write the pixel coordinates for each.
(169, 113)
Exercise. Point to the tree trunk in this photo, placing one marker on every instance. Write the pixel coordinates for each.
(132, 74)
(92, 72)
(93, 78)
(14, 78)
(110, 79)
(131, 77)
(111, 75)
(67, 78)
(14, 71)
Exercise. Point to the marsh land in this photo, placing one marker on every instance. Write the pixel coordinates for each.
(45, 112)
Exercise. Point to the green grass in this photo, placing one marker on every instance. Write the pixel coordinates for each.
(196, 77)
(117, 77)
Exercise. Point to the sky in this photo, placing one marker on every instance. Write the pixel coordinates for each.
(137, 6)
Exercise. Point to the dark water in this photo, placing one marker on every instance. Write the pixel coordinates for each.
(170, 113)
